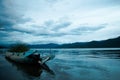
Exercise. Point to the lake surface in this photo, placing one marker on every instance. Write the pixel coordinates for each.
(68, 64)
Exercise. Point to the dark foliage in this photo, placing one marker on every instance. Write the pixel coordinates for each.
(19, 47)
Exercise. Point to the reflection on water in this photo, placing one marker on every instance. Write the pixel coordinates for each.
(30, 70)
(68, 64)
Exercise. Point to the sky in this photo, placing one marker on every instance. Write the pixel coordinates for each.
(58, 21)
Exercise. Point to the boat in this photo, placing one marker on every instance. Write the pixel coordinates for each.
(29, 59)
(31, 70)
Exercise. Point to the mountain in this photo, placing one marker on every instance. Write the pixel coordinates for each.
(51, 45)
(110, 43)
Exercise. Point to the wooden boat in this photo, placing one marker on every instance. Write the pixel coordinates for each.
(29, 59)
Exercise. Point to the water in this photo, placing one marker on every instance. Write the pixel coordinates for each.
(68, 64)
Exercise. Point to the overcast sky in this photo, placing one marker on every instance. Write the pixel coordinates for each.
(58, 21)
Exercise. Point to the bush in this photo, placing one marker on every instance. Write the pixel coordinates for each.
(19, 48)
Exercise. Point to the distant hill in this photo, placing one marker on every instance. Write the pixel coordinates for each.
(51, 45)
(110, 43)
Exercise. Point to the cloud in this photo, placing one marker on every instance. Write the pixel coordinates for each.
(61, 26)
(88, 28)
(59, 21)
(9, 16)
(52, 1)
(15, 36)
(56, 26)
(48, 29)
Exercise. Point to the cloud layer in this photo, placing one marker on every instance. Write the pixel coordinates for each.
(58, 21)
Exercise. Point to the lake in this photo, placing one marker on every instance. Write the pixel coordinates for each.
(68, 64)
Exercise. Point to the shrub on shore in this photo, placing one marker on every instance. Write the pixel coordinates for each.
(19, 48)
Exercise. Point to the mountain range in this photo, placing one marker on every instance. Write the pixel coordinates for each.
(110, 43)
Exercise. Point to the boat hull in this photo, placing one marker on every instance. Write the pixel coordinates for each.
(19, 59)
(28, 61)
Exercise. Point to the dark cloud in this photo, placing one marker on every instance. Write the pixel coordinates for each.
(61, 26)
(56, 26)
(48, 29)
(51, 28)
(9, 17)
(4, 37)
(87, 29)
(4, 15)
(45, 35)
